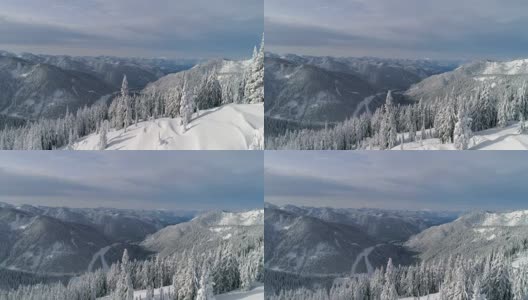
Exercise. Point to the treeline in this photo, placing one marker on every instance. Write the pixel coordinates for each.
(455, 278)
(191, 275)
(451, 119)
(10, 278)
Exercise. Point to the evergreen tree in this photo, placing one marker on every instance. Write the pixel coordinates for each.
(462, 132)
(206, 288)
(103, 139)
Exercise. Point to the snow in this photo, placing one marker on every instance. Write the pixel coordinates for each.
(227, 236)
(491, 237)
(484, 78)
(229, 127)
(507, 138)
(100, 255)
(249, 218)
(516, 218)
(364, 254)
(514, 67)
(435, 296)
(520, 260)
(363, 104)
(256, 293)
(219, 229)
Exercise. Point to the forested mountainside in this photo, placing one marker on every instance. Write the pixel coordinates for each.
(181, 95)
(226, 248)
(482, 255)
(308, 91)
(453, 109)
(45, 86)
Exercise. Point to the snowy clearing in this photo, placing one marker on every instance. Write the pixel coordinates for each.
(100, 255)
(428, 297)
(229, 127)
(257, 293)
(249, 218)
(364, 254)
(507, 138)
(521, 259)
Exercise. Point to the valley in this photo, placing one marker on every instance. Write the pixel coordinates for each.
(230, 244)
(427, 245)
(91, 103)
(475, 105)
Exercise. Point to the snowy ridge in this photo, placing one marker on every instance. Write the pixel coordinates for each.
(249, 218)
(256, 293)
(516, 218)
(507, 138)
(229, 127)
(514, 67)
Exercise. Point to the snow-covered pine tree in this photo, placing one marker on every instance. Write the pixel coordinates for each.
(103, 139)
(477, 291)
(175, 287)
(459, 291)
(124, 289)
(503, 111)
(522, 124)
(185, 107)
(390, 111)
(462, 133)
(254, 78)
(205, 292)
(445, 120)
(411, 123)
(389, 286)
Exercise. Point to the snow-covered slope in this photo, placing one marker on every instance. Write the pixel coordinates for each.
(467, 79)
(256, 293)
(229, 127)
(476, 233)
(311, 246)
(428, 297)
(507, 138)
(514, 67)
(207, 231)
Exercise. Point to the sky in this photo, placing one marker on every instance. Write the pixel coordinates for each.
(410, 180)
(172, 180)
(132, 28)
(415, 29)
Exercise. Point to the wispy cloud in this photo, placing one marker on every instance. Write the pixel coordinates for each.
(142, 179)
(409, 28)
(184, 28)
(406, 180)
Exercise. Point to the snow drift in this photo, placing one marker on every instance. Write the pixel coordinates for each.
(229, 127)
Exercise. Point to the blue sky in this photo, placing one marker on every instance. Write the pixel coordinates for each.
(448, 29)
(435, 180)
(174, 180)
(155, 28)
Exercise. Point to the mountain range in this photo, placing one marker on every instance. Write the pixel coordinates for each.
(473, 233)
(36, 86)
(57, 242)
(309, 89)
(318, 242)
(467, 79)
(63, 241)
